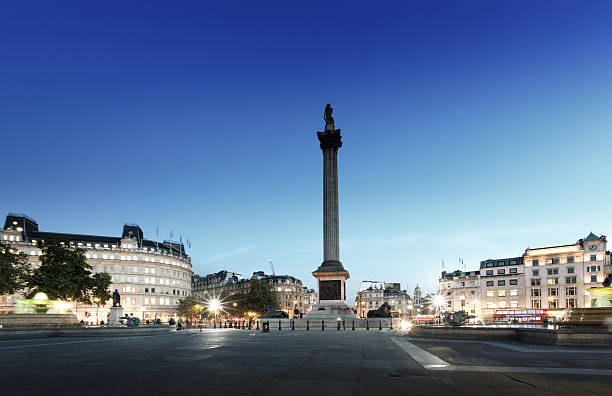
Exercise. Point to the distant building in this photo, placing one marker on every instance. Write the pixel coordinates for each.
(557, 277)
(502, 284)
(372, 295)
(460, 290)
(212, 285)
(150, 276)
(542, 282)
(290, 292)
(417, 296)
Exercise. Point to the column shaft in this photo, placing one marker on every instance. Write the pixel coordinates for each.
(330, 205)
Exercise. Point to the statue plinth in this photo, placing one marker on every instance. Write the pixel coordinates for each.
(116, 313)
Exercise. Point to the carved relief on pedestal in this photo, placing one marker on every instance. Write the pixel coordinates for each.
(330, 290)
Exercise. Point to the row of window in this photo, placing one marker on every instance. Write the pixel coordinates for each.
(132, 289)
(502, 282)
(502, 271)
(134, 270)
(555, 281)
(112, 246)
(133, 258)
(555, 260)
(502, 293)
(553, 303)
(501, 304)
(152, 300)
(554, 291)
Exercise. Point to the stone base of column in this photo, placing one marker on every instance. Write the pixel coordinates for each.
(331, 310)
(116, 313)
(331, 281)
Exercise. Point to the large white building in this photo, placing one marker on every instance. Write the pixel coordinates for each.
(542, 282)
(150, 276)
(558, 277)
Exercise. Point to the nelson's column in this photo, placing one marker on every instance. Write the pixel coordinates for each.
(331, 275)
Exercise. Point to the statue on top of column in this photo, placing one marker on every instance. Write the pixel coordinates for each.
(329, 120)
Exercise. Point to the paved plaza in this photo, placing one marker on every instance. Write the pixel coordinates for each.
(237, 362)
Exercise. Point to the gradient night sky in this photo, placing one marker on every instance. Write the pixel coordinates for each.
(471, 129)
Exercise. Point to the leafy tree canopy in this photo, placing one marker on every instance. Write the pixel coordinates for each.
(259, 296)
(189, 305)
(64, 274)
(14, 270)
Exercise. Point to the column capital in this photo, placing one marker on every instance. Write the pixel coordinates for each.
(330, 139)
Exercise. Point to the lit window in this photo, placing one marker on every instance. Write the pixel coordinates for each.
(513, 304)
(514, 292)
(490, 293)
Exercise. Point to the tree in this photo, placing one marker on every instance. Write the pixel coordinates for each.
(64, 274)
(14, 270)
(189, 305)
(99, 286)
(259, 296)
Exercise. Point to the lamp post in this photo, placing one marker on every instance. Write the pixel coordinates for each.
(97, 301)
(213, 306)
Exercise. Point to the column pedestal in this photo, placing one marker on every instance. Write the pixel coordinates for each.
(115, 314)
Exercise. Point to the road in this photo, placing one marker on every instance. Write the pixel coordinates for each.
(237, 362)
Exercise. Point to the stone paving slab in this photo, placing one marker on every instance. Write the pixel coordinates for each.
(234, 362)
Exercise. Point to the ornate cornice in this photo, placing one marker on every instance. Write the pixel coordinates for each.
(330, 139)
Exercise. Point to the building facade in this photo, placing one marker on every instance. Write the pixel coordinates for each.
(542, 282)
(558, 277)
(461, 291)
(501, 285)
(150, 276)
(372, 295)
(290, 292)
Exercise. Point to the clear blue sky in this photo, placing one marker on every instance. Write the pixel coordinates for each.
(471, 129)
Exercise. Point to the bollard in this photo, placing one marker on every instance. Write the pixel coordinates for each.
(322, 325)
(353, 325)
(307, 325)
(257, 325)
(293, 325)
(391, 328)
(243, 325)
(380, 325)
(200, 327)
(231, 323)
(250, 325)
(338, 325)
(266, 327)
(279, 325)
(367, 325)
(215, 324)
(225, 326)
(343, 324)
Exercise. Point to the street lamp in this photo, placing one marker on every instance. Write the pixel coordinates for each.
(214, 306)
(97, 300)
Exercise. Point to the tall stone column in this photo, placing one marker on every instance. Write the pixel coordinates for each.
(331, 275)
(330, 143)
